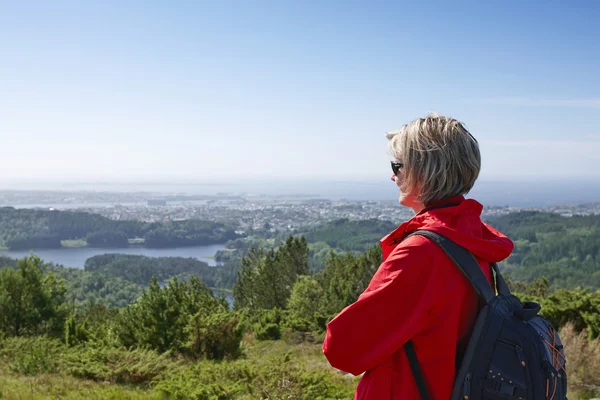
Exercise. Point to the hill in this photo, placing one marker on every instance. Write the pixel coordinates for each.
(564, 250)
(24, 229)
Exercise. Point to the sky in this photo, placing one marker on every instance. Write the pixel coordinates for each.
(234, 91)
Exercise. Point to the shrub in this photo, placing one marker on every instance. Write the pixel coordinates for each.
(32, 355)
(265, 324)
(214, 336)
(583, 357)
(137, 366)
(37, 355)
(279, 377)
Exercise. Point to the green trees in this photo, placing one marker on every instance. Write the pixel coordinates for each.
(31, 303)
(182, 317)
(279, 290)
(188, 233)
(107, 239)
(346, 235)
(566, 251)
(141, 269)
(35, 242)
(29, 229)
(266, 278)
(345, 277)
(306, 298)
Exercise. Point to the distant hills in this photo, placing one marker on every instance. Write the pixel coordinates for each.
(24, 229)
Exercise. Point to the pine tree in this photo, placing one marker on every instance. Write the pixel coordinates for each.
(31, 302)
(266, 278)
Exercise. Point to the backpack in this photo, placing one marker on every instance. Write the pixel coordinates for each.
(513, 353)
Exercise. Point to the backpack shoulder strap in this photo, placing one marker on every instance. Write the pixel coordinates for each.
(409, 348)
(465, 261)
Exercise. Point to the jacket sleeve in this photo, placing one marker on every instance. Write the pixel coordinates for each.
(388, 313)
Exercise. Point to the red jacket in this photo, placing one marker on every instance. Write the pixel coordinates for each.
(417, 293)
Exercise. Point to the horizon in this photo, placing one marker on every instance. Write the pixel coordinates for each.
(506, 193)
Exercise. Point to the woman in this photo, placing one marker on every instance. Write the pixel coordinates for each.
(417, 293)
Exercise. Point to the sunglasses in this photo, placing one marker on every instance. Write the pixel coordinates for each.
(396, 166)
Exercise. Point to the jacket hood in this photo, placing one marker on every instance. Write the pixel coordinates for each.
(459, 220)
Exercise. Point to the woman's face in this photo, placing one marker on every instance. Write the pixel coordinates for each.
(406, 199)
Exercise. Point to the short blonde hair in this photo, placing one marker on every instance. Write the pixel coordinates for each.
(441, 158)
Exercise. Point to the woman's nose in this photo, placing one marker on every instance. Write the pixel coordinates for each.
(393, 178)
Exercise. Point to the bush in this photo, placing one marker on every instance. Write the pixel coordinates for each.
(579, 307)
(280, 377)
(583, 357)
(37, 355)
(106, 364)
(32, 355)
(183, 317)
(267, 332)
(214, 336)
(265, 324)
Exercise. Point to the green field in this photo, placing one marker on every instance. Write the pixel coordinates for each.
(73, 243)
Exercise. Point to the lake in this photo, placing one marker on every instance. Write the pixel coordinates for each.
(76, 257)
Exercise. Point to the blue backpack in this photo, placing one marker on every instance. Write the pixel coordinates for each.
(513, 352)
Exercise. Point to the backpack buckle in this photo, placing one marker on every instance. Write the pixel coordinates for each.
(506, 389)
(501, 387)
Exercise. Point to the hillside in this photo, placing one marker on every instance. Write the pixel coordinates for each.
(564, 250)
(24, 229)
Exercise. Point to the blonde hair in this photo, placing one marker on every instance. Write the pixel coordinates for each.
(441, 158)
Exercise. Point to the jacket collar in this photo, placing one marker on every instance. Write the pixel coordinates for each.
(390, 241)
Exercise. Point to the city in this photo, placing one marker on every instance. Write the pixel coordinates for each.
(249, 212)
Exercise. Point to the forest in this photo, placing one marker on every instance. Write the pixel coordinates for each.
(563, 250)
(25, 229)
(133, 327)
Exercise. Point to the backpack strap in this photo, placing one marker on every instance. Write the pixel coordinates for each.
(465, 261)
(409, 348)
(501, 284)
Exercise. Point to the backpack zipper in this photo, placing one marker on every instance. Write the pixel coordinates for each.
(520, 356)
(467, 387)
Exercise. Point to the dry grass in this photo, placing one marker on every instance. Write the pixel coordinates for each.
(583, 359)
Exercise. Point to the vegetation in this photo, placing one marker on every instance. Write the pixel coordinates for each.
(23, 229)
(266, 278)
(183, 317)
(137, 327)
(346, 235)
(90, 288)
(564, 250)
(31, 302)
(141, 269)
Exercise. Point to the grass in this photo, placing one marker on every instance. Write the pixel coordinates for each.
(54, 387)
(73, 243)
(44, 368)
(39, 368)
(583, 363)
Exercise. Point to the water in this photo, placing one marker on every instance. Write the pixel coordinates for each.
(511, 192)
(76, 257)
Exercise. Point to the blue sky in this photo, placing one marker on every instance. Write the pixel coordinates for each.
(241, 90)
